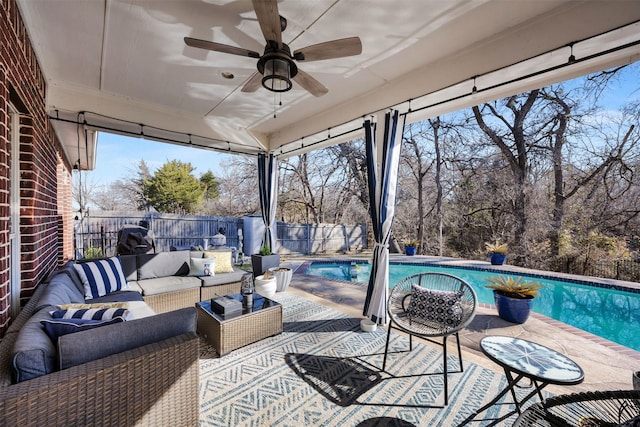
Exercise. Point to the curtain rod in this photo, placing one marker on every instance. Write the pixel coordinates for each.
(572, 60)
(158, 138)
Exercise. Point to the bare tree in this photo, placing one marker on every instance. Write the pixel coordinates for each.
(509, 133)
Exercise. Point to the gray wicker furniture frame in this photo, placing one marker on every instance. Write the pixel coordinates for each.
(230, 334)
(587, 409)
(397, 308)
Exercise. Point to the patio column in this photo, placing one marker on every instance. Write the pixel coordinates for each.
(383, 156)
(268, 188)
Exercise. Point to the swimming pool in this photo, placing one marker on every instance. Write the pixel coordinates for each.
(613, 314)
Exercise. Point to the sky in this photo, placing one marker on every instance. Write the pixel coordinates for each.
(118, 156)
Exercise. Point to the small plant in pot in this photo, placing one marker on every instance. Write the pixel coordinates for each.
(497, 252)
(410, 247)
(264, 260)
(513, 297)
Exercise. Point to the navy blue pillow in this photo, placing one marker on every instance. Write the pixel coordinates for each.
(57, 328)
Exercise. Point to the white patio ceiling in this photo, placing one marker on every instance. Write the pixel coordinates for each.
(122, 65)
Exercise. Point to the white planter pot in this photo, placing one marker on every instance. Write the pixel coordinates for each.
(265, 287)
(283, 277)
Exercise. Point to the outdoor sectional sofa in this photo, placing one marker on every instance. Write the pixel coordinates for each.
(143, 371)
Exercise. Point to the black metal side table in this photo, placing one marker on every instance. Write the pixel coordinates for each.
(525, 359)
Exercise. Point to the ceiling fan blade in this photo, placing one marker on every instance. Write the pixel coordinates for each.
(219, 47)
(253, 84)
(269, 19)
(312, 86)
(332, 49)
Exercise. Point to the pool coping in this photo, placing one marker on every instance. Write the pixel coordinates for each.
(477, 265)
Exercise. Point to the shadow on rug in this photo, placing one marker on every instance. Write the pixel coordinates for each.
(341, 380)
(322, 371)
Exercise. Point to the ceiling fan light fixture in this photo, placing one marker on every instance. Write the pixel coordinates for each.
(277, 75)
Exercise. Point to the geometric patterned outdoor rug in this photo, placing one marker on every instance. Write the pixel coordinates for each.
(323, 371)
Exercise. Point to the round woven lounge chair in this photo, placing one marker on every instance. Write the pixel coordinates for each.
(429, 306)
(587, 409)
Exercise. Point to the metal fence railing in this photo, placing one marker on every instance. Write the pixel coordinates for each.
(626, 269)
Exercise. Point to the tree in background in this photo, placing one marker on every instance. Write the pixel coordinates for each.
(211, 185)
(237, 189)
(174, 189)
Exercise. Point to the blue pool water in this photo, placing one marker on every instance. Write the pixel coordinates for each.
(613, 314)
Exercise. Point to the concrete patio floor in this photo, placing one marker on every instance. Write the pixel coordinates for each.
(607, 366)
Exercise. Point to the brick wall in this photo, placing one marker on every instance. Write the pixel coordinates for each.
(4, 202)
(42, 213)
(65, 212)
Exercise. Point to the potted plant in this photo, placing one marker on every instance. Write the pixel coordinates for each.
(497, 252)
(513, 297)
(410, 247)
(264, 260)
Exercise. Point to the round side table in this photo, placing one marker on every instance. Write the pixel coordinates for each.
(525, 359)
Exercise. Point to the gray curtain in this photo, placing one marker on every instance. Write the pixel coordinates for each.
(383, 156)
(268, 188)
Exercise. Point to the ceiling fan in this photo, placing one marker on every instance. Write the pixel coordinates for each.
(277, 66)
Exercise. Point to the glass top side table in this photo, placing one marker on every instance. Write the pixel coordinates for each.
(525, 359)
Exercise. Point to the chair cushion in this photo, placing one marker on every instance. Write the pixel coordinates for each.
(440, 307)
(101, 277)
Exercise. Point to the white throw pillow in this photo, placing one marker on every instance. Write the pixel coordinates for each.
(202, 267)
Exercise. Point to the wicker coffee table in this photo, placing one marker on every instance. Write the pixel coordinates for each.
(260, 320)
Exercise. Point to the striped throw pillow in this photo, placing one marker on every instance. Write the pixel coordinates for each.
(101, 277)
(91, 313)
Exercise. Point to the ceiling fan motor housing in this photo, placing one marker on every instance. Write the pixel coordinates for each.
(278, 64)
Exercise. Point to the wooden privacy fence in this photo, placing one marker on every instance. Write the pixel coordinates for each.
(96, 235)
(321, 238)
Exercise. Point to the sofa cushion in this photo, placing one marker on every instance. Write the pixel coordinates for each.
(163, 264)
(130, 267)
(59, 290)
(101, 277)
(168, 284)
(223, 260)
(33, 354)
(70, 270)
(82, 347)
(134, 294)
(55, 328)
(223, 278)
(202, 267)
